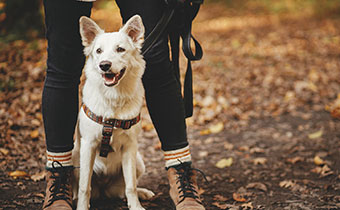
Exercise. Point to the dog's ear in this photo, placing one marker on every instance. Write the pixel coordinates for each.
(134, 28)
(88, 30)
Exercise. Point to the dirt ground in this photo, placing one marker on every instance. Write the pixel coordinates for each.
(265, 98)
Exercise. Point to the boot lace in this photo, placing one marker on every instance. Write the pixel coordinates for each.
(59, 188)
(186, 187)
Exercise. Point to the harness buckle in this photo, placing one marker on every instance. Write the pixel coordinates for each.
(107, 130)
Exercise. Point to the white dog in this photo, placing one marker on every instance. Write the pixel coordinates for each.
(108, 120)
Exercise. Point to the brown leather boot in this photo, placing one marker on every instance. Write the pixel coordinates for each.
(58, 188)
(183, 187)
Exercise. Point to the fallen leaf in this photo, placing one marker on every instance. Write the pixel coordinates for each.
(317, 170)
(315, 135)
(286, 184)
(39, 116)
(290, 95)
(244, 148)
(203, 154)
(38, 176)
(257, 185)
(318, 161)
(17, 173)
(224, 163)
(312, 87)
(294, 160)
(220, 198)
(217, 127)
(336, 112)
(34, 134)
(260, 161)
(213, 129)
(40, 195)
(313, 75)
(228, 146)
(208, 101)
(334, 107)
(220, 206)
(323, 171)
(4, 151)
(205, 132)
(238, 197)
(256, 150)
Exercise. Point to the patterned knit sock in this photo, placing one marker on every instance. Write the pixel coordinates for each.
(64, 158)
(176, 157)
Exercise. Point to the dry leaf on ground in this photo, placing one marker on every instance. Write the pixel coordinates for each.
(239, 197)
(228, 146)
(315, 135)
(216, 128)
(39, 176)
(223, 163)
(334, 108)
(294, 160)
(257, 185)
(34, 134)
(220, 206)
(17, 173)
(260, 161)
(323, 171)
(256, 150)
(318, 161)
(4, 151)
(220, 198)
(287, 183)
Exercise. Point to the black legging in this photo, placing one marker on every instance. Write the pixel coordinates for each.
(66, 60)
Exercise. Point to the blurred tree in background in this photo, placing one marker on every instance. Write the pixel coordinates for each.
(21, 19)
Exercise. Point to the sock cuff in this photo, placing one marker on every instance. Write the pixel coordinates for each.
(64, 158)
(178, 156)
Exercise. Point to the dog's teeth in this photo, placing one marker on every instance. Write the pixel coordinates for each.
(111, 79)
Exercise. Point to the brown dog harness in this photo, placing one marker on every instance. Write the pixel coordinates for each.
(108, 125)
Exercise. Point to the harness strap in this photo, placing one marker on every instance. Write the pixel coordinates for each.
(108, 125)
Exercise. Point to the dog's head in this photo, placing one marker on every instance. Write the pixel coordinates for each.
(113, 55)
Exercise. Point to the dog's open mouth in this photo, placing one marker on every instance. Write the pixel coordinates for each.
(111, 79)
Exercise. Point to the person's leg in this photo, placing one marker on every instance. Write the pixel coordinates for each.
(60, 94)
(162, 90)
(165, 105)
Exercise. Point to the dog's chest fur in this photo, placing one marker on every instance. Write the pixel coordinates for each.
(121, 102)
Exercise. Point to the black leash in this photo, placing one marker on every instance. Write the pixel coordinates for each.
(179, 15)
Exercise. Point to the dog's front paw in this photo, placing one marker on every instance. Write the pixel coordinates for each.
(145, 194)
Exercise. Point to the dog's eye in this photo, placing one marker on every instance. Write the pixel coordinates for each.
(120, 49)
(99, 51)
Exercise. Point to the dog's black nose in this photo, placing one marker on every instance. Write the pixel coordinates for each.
(105, 65)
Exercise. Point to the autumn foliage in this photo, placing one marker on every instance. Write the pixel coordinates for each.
(265, 128)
